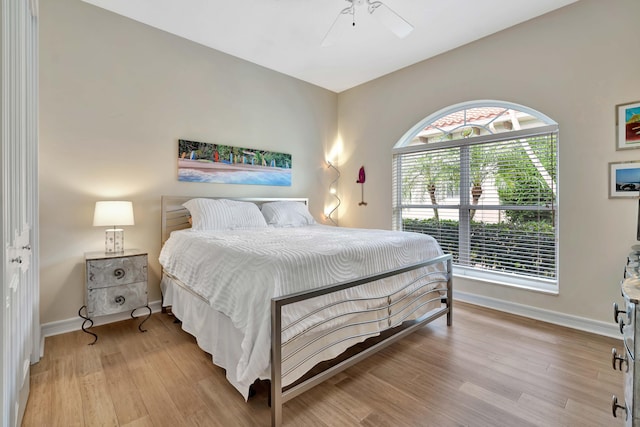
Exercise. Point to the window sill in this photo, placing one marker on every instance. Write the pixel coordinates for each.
(549, 287)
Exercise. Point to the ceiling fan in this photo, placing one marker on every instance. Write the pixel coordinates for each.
(387, 16)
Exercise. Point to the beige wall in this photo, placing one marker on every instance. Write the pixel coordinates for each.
(115, 96)
(573, 65)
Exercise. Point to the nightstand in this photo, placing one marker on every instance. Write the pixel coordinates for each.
(115, 283)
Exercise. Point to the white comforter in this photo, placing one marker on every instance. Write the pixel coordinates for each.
(239, 271)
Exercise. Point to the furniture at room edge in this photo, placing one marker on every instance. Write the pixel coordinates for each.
(115, 283)
(625, 361)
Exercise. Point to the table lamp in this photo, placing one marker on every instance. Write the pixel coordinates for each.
(113, 213)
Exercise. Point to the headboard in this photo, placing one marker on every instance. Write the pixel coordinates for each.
(174, 216)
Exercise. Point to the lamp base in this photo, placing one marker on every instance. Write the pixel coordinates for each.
(114, 241)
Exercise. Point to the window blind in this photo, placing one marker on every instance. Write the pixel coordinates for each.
(492, 204)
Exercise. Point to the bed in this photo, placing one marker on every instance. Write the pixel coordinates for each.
(272, 295)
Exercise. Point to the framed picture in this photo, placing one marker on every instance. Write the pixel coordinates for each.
(226, 164)
(624, 179)
(628, 126)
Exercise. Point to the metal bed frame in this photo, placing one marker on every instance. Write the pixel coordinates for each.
(280, 396)
(396, 309)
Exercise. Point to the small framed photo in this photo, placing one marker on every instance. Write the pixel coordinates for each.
(624, 179)
(628, 126)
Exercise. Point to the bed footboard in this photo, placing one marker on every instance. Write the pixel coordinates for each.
(401, 314)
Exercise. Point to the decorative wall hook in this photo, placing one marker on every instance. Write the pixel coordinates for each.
(361, 179)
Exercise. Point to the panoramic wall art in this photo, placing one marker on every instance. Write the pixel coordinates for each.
(225, 164)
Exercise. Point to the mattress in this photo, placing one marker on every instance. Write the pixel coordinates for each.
(229, 278)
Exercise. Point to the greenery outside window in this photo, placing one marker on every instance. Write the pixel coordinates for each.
(481, 177)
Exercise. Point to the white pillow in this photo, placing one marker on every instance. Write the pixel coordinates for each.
(287, 214)
(224, 214)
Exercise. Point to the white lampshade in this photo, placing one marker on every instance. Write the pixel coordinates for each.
(112, 213)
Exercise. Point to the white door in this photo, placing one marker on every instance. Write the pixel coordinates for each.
(20, 326)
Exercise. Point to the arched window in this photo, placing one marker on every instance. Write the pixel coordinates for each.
(481, 177)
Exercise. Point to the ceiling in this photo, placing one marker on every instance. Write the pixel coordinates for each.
(286, 35)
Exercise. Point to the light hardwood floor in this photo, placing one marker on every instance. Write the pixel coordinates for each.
(488, 369)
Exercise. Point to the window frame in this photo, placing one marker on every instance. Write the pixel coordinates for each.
(402, 147)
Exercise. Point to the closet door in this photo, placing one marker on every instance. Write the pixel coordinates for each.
(20, 326)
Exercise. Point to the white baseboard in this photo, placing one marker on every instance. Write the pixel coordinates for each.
(609, 329)
(75, 323)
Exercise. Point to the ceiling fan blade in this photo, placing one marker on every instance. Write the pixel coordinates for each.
(338, 26)
(390, 19)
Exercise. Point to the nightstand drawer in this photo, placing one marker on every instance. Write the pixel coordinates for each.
(114, 299)
(108, 272)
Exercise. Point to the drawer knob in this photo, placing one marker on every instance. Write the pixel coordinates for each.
(620, 359)
(621, 325)
(615, 407)
(616, 311)
(120, 300)
(119, 273)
